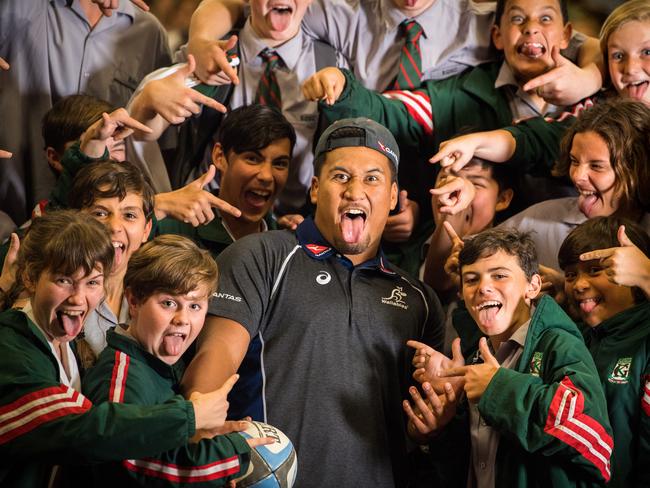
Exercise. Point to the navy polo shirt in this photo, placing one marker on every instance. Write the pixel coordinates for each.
(333, 367)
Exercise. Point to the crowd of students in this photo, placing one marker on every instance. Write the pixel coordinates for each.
(411, 234)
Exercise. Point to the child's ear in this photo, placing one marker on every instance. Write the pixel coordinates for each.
(496, 37)
(147, 230)
(53, 159)
(219, 158)
(133, 303)
(29, 285)
(534, 287)
(503, 199)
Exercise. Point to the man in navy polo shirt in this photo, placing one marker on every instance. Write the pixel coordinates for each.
(333, 317)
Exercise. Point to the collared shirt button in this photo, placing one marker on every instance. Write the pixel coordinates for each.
(483, 465)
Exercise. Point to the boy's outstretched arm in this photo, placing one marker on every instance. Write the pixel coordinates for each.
(342, 96)
(496, 146)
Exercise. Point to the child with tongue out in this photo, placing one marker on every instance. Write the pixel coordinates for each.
(167, 285)
(63, 263)
(528, 408)
(605, 153)
(616, 328)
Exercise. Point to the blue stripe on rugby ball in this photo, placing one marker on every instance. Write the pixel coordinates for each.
(272, 459)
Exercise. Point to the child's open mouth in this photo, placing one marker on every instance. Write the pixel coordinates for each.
(280, 16)
(637, 89)
(532, 49)
(587, 305)
(488, 310)
(70, 321)
(587, 200)
(173, 343)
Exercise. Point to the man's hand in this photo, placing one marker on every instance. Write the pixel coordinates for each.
(192, 204)
(455, 194)
(5, 154)
(210, 409)
(290, 221)
(117, 125)
(8, 275)
(452, 264)
(327, 84)
(428, 363)
(107, 6)
(212, 59)
(565, 83)
(3, 64)
(626, 265)
(478, 376)
(427, 417)
(399, 227)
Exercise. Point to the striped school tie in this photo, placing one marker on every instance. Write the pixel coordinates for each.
(410, 62)
(268, 90)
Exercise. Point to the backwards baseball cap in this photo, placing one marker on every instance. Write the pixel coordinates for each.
(375, 136)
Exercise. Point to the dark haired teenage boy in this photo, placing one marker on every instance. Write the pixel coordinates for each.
(616, 328)
(252, 157)
(528, 408)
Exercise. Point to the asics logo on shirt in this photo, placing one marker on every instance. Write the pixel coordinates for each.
(323, 278)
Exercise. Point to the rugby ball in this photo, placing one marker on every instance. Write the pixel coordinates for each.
(273, 465)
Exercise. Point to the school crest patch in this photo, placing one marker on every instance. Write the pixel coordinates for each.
(621, 371)
(536, 364)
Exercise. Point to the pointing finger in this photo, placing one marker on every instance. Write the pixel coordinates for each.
(230, 382)
(599, 254)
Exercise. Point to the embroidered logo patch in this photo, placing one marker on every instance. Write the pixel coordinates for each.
(396, 298)
(317, 250)
(621, 371)
(536, 364)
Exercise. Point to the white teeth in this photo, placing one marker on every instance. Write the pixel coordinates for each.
(534, 44)
(118, 244)
(586, 300)
(355, 211)
(490, 303)
(72, 313)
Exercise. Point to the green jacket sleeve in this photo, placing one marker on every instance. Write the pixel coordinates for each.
(210, 462)
(561, 414)
(358, 101)
(40, 418)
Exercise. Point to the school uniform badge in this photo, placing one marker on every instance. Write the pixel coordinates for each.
(621, 371)
(536, 364)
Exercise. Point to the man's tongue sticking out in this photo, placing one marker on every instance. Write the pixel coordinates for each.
(279, 19)
(352, 227)
(173, 344)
